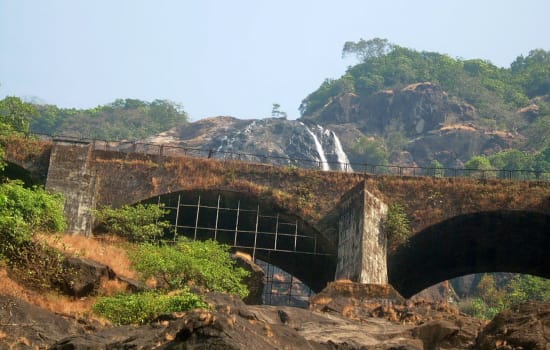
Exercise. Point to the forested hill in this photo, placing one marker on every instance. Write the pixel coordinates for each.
(122, 119)
(515, 99)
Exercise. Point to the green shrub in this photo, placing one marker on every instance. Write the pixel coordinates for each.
(436, 169)
(397, 225)
(140, 308)
(492, 299)
(140, 223)
(204, 263)
(24, 211)
(478, 308)
(38, 208)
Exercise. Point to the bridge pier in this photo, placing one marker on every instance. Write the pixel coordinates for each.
(361, 239)
(70, 173)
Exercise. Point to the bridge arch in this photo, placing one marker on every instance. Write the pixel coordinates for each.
(495, 241)
(15, 171)
(233, 217)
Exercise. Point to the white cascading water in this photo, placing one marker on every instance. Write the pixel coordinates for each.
(319, 148)
(341, 155)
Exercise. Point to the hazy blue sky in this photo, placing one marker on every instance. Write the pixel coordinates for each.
(235, 57)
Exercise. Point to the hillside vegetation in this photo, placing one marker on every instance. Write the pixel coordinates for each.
(497, 93)
(406, 107)
(122, 119)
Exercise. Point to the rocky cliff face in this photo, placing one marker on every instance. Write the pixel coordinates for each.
(434, 126)
(275, 140)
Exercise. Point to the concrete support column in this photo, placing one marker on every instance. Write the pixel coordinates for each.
(361, 239)
(70, 174)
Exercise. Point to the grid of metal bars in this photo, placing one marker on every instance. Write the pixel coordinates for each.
(299, 243)
(280, 287)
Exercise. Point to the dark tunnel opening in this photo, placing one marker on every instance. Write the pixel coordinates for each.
(498, 241)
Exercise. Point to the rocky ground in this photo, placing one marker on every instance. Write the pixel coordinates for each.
(344, 316)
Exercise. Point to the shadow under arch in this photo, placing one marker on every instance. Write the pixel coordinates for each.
(311, 259)
(15, 171)
(496, 241)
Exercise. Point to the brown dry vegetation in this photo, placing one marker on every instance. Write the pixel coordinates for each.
(106, 250)
(312, 194)
(309, 194)
(24, 151)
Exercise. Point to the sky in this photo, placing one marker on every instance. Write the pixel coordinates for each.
(235, 57)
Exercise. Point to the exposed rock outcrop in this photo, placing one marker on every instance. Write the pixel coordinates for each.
(437, 325)
(435, 125)
(255, 281)
(230, 324)
(271, 140)
(25, 326)
(524, 326)
(420, 108)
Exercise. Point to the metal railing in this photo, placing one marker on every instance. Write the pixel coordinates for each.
(362, 168)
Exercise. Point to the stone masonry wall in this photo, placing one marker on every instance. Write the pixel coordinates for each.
(362, 243)
(70, 173)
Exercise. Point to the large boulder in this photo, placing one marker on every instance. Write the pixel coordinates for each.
(436, 325)
(84, 276)
(524, 326)
(25, 326)
(255, 281)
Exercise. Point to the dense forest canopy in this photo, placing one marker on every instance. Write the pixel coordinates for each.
(494, 91)
(121, 119)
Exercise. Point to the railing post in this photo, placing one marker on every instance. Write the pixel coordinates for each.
(217, 217)
(276, 232)
(177, 217)
(237, 223)
(256, 233)
(197, 218)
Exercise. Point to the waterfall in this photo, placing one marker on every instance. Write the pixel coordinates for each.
(319, 147)
(341, 155)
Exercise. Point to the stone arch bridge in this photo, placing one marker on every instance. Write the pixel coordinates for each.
(460, 225)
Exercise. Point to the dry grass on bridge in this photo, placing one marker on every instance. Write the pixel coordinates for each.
(313, 194)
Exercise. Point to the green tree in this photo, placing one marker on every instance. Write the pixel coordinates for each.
(511, 159)
(367, 49)
(436, 169)
(140, 223)
(542, 163)
(479, 166)
(370, 151)
(538, 133)
(121, 119)
(2, 162)
(204, 263)
(527, 287)
(533, 72)
(277, 112)
(15, 115)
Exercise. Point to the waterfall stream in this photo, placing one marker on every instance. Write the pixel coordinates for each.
(319, 148)
(341, 155)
